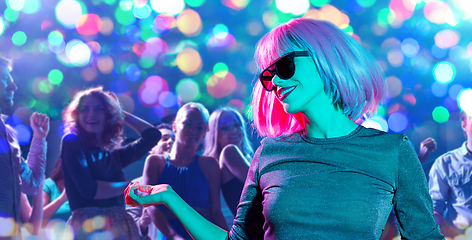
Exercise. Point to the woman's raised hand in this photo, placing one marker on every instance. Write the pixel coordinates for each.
(146, 195)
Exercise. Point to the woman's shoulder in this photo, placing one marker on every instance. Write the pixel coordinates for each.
(207, 161)
(288, 138)
(71, 137)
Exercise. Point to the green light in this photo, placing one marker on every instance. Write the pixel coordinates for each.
(110, 2)
(319, 3)
(349, 29)
(444, 72)
(124, 17)
(31, 6)
(11, 15)
(18, 38)
(55, 76)
(366, 3)
(31, 103)
(381, 111)
(146, 62)
(220, 28)
(55, 38)
(126, 5)
(16, 5)
(384, 17)
(440, 114)
(45, 87)
(220, 69)
(194, 3)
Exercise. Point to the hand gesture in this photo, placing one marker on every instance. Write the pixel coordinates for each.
(426, 147)
(40, 124)
(146, 195)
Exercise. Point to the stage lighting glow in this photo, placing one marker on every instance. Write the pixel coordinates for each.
(88, 24)
(435, 11)
(221, 40)
(55, 76)
(154, 46)
(18, 38)
(464, 100)
(31, 6)
(124, 17)
(410, 47)
(236, 4)
(133, 72)
(447, 38)
(55, 38)
(454, 91)
(440, 114)
(23, 133)
(167, 99)
(270, 18)
(366, 3)
(107, 26)
(95, 47)
(219, 87)
(42, 87)
(88, 73)
(444, 72)
(254, 28)
(335, 16)
(164, 22)
(150, 89)
(385, 17)
(78, 52)
(395, 57)
(2, 26)
(195, 3)
(189, 61)
(68, 11)
(394, 86)
(119, 87)
(132, 34)
(126, 5)
(173, 7)
(295, 7)
(189, 23)
(8, 227)
(438, 53)
(16, 5)
(11, 15)
(146, 61)
(403, 9)
(314, 14)
(105, 64)
(439, 89)
(221, 30)
(376, 122)
(452, 18)
(397, 122)
(142, 11)
(220, 69)
(187, 89)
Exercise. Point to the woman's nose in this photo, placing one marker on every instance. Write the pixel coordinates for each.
(276, 80)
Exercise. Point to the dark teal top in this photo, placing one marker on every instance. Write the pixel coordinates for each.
(299, 187)
(51, 189)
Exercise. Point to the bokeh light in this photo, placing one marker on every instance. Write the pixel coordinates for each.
(440, 114)
(88, 24)
(55, 76)
(78, 52)
(68, 11)
(173, 7)
(187, 89)
(2, 26)
(16, 5)
(410, 47)
(142, 11)
(31, 6)
(189, 23)
(295, 7)
(435, 11)
(189, 61)
(447, 38)
(24, 134)
(19, 38)
(444, 72)
(8, 227)
(376, 122)
(397, 122)
(464, 100)
(219, 87)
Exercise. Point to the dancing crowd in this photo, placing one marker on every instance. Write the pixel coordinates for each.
(317, 174)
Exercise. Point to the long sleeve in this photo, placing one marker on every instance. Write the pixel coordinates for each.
(249, 221)
(137, 149)
(438, 188)
(74, 164)
(412, 202)
(32, 170)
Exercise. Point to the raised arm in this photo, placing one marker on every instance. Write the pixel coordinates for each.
(150, 176)
(136, 123)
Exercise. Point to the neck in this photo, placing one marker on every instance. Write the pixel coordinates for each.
(328, 122)
(180, 153)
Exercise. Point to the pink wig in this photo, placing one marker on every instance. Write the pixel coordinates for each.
(351, 76)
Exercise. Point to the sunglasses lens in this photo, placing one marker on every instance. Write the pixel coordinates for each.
(266, 78)
(285, 67)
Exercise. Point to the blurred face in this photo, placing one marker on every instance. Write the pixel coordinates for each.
(7, 87)
(190, 128)
(467, 127)
(165, 144)
(230, 130)
(92, 116)
(302, 91)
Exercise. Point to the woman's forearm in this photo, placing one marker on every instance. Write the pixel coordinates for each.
(198, 227)
(50, 209)
(136, 123)
(160, 221)
(37, 213)
(109, 189)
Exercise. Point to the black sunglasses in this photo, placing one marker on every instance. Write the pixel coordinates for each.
(284, 67)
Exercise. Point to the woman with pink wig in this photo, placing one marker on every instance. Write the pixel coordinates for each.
(317, 174)
(93, 161)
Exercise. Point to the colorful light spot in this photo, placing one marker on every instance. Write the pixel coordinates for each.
(435, 11)
(314, 14)
(444, 72)
(189, 61)
(397, 122)
(107, 26)
(126, 5)
(220, 69)
(142, 11)
(438, 53)
(164, 22)
(67, 12)
(254, 28)
(88, 24)
(11, 15)
(126, 102)
(124, 17)
(88, 73)
(154, 46)
(150, 89)
(452, 18)
(335, 16)
(23, 133)
(187, 90)
(42, 87)
(2, 26)
(454, 91)
(295, 7)
(219, 87)
(18, 38)
(221, 40)
(173, 7)
(236, 4)
(376, 122)
(394, 86)
(8, 227)
(133, 72)
(189, 23)
(464, 100)
(146, 61)
(78, 52)
(95, 47)
(440, 114)
(439, 89)
(195, 3)
(31, 6)
(167, 99)
(395, 57)
(55, 76)
(16, 5)
(410, 47)
(270, 18)
(447, 38)
(366, 3)
(105, 64)
(402, 9)
(55, 38)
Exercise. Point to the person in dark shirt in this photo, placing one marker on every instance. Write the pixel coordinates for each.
(92, 163)
(317, 174)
